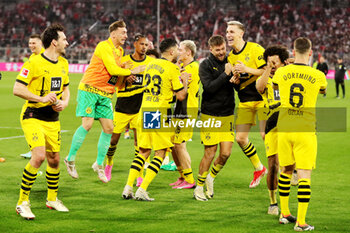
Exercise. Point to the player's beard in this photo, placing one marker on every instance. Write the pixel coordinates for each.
(63, 53)
(175, 59)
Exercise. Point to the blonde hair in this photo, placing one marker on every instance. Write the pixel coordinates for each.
(117, 24)
(189, 44)
(236, 23)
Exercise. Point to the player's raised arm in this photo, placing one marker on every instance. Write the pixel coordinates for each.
(181, 95)
(262, 81)
(240, 67)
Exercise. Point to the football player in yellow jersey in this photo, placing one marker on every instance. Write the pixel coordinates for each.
(162, 78)
(129, 100)
(299, 85)
(186, 109)
(248, 62)
(36, 47)
(95, 91)
(276, 57)
(43, 82)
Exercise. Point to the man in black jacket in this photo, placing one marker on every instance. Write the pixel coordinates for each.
(322, 66)
(218, 103)
(340, 70)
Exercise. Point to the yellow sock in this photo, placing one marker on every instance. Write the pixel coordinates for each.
(28, 179)
(142, 168)
(52, 177)
(110, 154)
(201, 178)
(188, 175)
(135, 169)
(284, 189)
(250, 151)
(272, 194)
(181, 172)
(304, 193)
(151, 171)
(215, 170)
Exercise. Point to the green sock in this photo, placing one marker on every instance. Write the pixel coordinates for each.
(77, 141)
(102, 147)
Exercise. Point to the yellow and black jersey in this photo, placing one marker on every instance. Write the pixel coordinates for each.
(161, 79)
(298, 86)
(271, 98)
(43, 76)
(272, 102)
(130, 96)
(252, 56)
(189, 106)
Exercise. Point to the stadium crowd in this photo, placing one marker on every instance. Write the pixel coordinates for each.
(327, 22)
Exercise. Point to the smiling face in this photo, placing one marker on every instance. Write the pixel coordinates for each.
(233, 34)
(62, 43)
(219, 51)
(35, 45)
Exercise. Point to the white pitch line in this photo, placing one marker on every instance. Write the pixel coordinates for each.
(22, 136)
(4, 127)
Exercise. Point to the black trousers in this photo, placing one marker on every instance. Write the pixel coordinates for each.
(337, 83)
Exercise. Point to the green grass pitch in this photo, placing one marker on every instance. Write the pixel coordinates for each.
(98, 207)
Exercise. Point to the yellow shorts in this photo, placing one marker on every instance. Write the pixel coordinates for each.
(210, 136)
(181, 134)
(24, 107)
(121, 120)
(155, 140)
(271, 142)
(42, 133)
(298, 148)
(247, 111)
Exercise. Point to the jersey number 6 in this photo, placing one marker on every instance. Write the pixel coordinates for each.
(296, 98)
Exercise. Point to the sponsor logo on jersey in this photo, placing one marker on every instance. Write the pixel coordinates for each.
(24, 73)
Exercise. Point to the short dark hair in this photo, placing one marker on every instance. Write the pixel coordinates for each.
(216, 40)
(51, 33)
(117, 24)
(35, 36)
(153, 52)
(302, 45)
(138, 36)
(278, 50)
(167, 44)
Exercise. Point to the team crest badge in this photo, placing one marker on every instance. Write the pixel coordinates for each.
(88, 110)
(207, 136)
(35, 137)
(247, 58)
